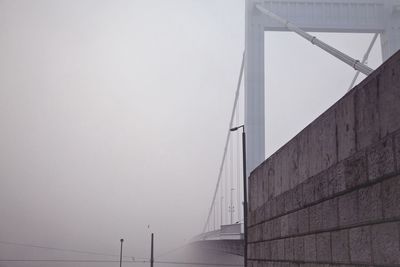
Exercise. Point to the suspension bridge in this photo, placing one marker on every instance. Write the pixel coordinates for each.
(225, 227)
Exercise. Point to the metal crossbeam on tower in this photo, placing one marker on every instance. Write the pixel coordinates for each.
(358, 16)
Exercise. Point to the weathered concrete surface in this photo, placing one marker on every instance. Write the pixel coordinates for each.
(331, 196)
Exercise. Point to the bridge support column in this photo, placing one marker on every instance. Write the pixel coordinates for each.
(390, 38)
(254, 87)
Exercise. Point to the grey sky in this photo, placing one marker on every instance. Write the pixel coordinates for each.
(113, 114)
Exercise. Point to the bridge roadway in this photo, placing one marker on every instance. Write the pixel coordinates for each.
(229, 239)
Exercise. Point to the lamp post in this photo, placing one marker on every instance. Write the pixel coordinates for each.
(244, 191)
(152, 251)
(120, 255)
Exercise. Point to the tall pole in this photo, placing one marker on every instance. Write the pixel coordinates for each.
(244, 191)
(120, 255)
(152, 251)
(244, 197)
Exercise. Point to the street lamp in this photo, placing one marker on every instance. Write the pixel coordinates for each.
(120, 255)
(244, 190)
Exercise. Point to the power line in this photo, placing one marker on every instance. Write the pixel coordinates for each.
(62, 249)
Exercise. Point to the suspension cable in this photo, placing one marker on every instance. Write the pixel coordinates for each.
(226, 142)
(364, 60)
(315, 41)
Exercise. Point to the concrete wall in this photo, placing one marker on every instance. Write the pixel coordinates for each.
(331, 195)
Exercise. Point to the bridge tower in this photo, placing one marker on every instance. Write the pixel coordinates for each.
(349, 16)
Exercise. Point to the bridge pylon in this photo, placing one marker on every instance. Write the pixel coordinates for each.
(350, 16)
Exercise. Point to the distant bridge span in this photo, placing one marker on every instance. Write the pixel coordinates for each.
(229, 239)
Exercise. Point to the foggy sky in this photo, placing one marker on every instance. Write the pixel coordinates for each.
(113, 114)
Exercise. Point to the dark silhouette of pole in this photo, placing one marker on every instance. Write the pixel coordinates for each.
(244, 196)
(152, 251)
(244, 192)
(120, 255)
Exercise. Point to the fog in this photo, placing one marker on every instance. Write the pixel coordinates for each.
(113, 116)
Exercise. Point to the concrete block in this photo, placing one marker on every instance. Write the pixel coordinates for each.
(260, 188)
(293, 223)
(281, 249)
(256, 250)
(316, 217)
(370, 203)
(297, 194)
(285, 177)
(389, 99)
(355, 170)
(322, 134)
(271, 181)
(340, 246)
(265, 184)
(303, 221)
(250, 234)
(289, 249)
(250, 250)
(272, 207)
(336, 179)
(360, 245)
(308, 191)
(321, 186)
(266, 251)
(274, 249)
(397, 151)
(298, 244)
(267, 210)
(277, 167)
(288, 196)
(250, 219)
(381, 159)
(367, 114)
(385, 243)
(260, 214)
(260, 233)
(330, 218)
(391, 198)
(304, 144)
(280, 204)
(285, 226)
(276, 228)
(290, 170)
(310, 248)
(267, 230)
(348, 209)
(324, 251)
(251, 184)
(294, 163)
(345, 122)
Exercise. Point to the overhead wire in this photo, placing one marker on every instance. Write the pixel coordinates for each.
(84, 252)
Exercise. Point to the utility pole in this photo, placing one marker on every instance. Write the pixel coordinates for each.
(152, 251)
(244, 191)
(120, 255)
(245, 196)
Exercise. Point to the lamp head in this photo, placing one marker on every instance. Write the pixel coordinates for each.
(237, 128)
